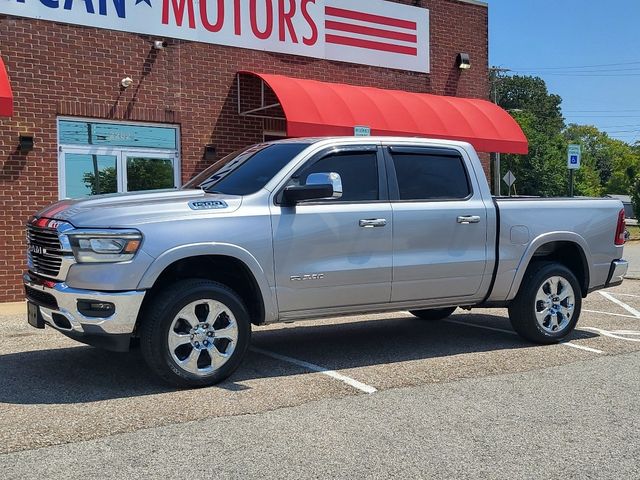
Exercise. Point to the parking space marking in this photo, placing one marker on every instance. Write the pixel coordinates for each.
(510, 332)
(609, 313)
(628, 308)
(581, 347)
(628, 295)
(615, 334)
(317, 368)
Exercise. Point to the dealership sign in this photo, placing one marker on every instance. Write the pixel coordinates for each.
(371, 32)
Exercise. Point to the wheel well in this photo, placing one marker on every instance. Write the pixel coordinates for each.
(229, 271)
(570, 255)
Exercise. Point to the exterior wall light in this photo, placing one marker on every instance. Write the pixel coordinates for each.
(25, 143)
(463, 61)
(159, 44)
(126, 82)
(209, 152)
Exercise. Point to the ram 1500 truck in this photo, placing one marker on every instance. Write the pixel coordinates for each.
(306, 228)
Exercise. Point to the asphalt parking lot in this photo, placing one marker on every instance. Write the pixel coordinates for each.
(58, 396)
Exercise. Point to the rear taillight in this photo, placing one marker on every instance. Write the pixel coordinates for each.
(620, 228)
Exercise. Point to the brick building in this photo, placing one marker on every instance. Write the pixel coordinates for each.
(71, 95)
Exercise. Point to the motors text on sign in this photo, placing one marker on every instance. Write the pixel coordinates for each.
(374, 32)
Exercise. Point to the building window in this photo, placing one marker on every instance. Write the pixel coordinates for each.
(99, 157)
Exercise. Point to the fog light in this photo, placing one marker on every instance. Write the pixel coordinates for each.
(95, 308)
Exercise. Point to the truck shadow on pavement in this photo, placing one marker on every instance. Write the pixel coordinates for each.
(85, 374)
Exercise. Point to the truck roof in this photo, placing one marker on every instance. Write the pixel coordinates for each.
(383, 139)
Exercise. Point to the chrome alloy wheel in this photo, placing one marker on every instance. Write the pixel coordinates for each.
(203, 336)
(554, 304)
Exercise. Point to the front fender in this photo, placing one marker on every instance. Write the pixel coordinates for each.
(214, 248)
(539, 242)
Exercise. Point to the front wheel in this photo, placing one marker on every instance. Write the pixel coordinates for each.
(547, 306)
(195, 334)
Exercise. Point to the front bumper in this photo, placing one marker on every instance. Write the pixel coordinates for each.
(58, 304)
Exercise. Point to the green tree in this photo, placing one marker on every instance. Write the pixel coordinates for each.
(530, 94)
(595, 153)
(142, 174)
(635, 197)
(149, 174)
(106, 181)
(615, 162)
(543, 170)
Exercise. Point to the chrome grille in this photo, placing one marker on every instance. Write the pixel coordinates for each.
(45, 251)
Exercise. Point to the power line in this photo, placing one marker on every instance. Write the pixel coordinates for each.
(601, 111)
(579, 66)
(622, 131)
(602, 116)
(580, 74)
(600, 70)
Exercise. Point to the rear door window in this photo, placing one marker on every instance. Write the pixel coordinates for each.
(430, 176)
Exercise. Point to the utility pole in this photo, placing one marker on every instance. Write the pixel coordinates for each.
(494, 77)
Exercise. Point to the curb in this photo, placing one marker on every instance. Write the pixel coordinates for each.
(13, 308)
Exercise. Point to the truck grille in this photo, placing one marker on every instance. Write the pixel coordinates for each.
(45, 250)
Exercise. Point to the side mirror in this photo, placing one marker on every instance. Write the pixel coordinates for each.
(319, 186)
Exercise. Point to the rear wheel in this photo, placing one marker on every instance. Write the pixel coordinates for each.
(195, 334)
(433, 313)
(547, 307)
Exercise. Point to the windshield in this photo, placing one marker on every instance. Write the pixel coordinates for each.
(248, 170)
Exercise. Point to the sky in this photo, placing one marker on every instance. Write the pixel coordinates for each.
(587, 51)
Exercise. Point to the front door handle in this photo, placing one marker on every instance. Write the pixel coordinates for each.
(466, 219)
(373, 222)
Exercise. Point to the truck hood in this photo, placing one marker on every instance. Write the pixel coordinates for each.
(131, 209)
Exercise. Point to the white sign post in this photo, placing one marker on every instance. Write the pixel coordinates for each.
(509, 179)
(574, 157)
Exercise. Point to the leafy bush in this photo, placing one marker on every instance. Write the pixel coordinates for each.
(635, 197)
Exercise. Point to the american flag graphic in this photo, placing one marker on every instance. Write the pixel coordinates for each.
(368, 31)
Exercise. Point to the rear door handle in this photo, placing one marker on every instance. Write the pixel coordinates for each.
(466, 219)
(373, 222)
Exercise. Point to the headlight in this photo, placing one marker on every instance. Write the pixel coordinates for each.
(104, 245)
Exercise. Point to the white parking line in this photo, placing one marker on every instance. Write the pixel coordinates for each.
(568, 344)
(581, 347)
(629, 309)
(615, 334)
(317, 368)
(627, 295)
(609, 313)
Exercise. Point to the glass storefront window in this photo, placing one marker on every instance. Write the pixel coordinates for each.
(90, 174)
(97, 158)
(116, 135)
(149, 173)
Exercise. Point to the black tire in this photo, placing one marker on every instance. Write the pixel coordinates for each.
(159, 317)
(523, 308)
(433, 313)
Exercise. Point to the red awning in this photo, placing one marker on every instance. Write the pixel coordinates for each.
(6, 97)
(315, 108)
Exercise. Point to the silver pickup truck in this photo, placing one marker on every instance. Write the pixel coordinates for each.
(307, 228)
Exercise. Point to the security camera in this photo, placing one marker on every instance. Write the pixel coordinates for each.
(159, 44)
(126, 82)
